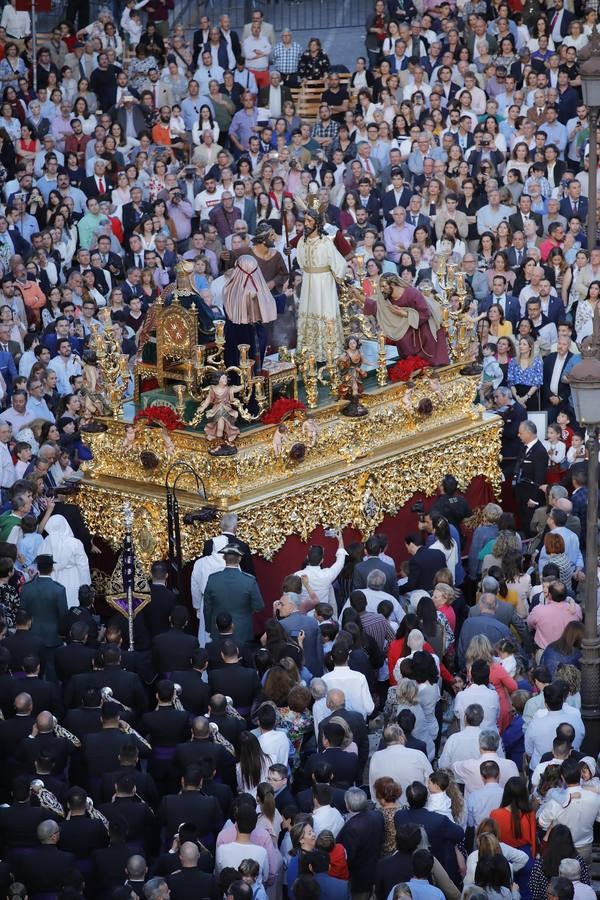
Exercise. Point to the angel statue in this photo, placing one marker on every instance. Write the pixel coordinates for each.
(350, 364)
(221, 415)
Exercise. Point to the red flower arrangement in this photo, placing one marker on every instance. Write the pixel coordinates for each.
(280, 409)
(160, 415)
(404, 368)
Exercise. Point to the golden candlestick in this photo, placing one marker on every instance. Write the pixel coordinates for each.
(309, 374)
(330, 367)
(360, 265)
(382, 372)
(179, 390)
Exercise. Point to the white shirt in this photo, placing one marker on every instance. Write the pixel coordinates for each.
(542, 730)
(401, 763)
(231, 855)
(467, 771)
(205, 202)
(355, 688)
(579, 813)
(276, 745)
(321, 578)
(487, 698)
(327, 818)
(64, 370)
(374, 598)
(7, 468)
(17, 24)
(461, 745)
(249, 45)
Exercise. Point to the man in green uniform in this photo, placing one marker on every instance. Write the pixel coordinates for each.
(232, 591)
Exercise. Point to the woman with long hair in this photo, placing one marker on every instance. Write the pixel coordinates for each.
(425, 673)
(303, 840)
(487, 843)
(517, 825)
(253, 766)
(567, 649)
(269, 816)
(525, 374)
(558, 846)
(481, 648)
(493, 876)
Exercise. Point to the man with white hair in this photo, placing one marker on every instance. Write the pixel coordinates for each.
(375, 593)
(318, 690)
(468, 771)
(464, 744)
(229, 523)
(571, 869)
(296, 624)
(336, 706)
(398, 761)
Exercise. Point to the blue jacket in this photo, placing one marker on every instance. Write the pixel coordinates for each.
(8, 370)
(513, 740)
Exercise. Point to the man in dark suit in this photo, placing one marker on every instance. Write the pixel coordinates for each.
(45, 868)
(234, 680)
(191, 805)
(96, 185)
(518, 219)
(108, 863)
(397, 867)
(162, 600)
(112, 262)
(20, 820)
(422, 565)
(510, 305)
(145, 786)
(442, 832)
(45, 739)
(173, 649)
(226, 629)
(44, 694)
(80, 834)
(143, 829)
(195, 693)
(134, 211)
(361, 837)
(574, 204)
(75, 657)
(8, 370)
(275, 91)
(321, 773)
(22, 643)
(512, 414)
(200, 748)
(345, 766)
(190, 881)
(127, 687)
(372, 561)
(555, 390)
(229, 528)
(579, 498)
(101, 750)
(336, 701)
(86, 719)
(530, 473)
(164, 727)
(517, 252)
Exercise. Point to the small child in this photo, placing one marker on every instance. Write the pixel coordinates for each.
(589, 776)
(323, 612)
(249, 869)
(338, 862)
(563, 419)
(329, 632)
(506, 654)
(445, 798)
(491, 375)
(24, 453)
(576, 452)
(557, 451)
(28, 547)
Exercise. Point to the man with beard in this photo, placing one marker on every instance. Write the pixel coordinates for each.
(161, 132)
(321, 264)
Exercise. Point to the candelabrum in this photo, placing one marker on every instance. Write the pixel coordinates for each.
(307, 366)
(382, 370)
(459, 325)
(112, 364)
(329, 373)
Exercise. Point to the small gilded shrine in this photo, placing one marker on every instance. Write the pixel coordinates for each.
(291, 443)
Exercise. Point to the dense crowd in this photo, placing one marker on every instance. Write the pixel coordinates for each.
(403, 726)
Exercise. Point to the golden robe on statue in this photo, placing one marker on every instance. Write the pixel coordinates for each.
(320, 261)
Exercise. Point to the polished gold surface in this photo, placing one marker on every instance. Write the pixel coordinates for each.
(357, 471)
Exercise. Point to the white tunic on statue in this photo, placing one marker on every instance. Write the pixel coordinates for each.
(71, 566)
(204, 567)
(320, 261)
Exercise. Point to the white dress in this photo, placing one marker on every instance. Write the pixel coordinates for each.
(71, 566)
(204, 567)
(320, 261)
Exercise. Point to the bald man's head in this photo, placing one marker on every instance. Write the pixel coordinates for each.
(23, 704)
(44, 721)
(48, 832)
(335, 699)
(136, 867)
(200, 728)
(565, 504)
(189, 855)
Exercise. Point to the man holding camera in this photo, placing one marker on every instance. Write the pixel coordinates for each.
(181, 213)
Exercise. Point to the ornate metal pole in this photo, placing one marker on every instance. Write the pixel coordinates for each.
(592, 224)
(590, 662)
